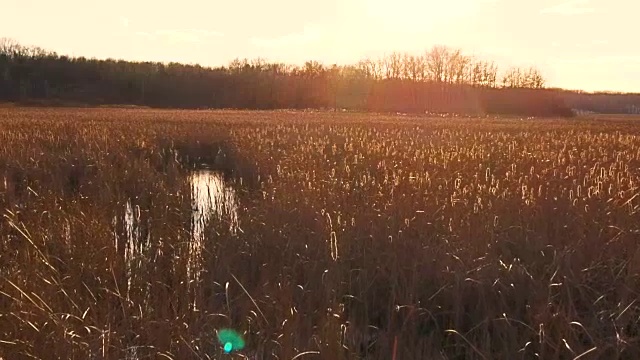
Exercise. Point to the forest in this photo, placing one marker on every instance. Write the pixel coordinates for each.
(441, 80)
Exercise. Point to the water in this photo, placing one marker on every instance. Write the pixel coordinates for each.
(134, 247)
(212, 199)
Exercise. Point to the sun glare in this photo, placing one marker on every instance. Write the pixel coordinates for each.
(417, 15)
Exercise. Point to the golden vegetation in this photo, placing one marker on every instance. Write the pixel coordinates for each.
(361, 236)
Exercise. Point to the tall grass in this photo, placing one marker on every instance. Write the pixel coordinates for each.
(360, 236)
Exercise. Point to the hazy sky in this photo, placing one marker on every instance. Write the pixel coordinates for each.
(577, 44)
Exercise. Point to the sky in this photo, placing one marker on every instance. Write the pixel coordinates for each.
(576, 44)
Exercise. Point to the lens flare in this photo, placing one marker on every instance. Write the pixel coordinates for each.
(231, 340)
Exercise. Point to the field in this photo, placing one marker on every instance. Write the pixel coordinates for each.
(137, 234)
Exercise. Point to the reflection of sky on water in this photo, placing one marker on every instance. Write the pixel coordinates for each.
(211, 200)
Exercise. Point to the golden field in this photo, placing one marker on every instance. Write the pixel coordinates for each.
(338, 235)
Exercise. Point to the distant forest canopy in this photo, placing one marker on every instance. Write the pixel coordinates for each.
(442, 80)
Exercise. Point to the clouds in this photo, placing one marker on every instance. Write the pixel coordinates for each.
(174, 36)
(308, 35)
(609, 60)
(594, 44)
(573, 7)
(124, 21)
(413, 16)
(181, 35)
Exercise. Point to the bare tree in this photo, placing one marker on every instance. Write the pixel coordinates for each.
(237, 65)
(313, 69)
(376, 70)
(512, 78)
(412, 67)
(482, 73)
(11, 48)
(395, 65)
(437, 59)
(534, 78)
(450, 69)
(370, 68)
(490, 74)
(259, 64)
(385, 68)
(461, 63)
(475, 73)
(518, 78)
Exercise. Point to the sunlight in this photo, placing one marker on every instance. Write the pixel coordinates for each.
(419, 15)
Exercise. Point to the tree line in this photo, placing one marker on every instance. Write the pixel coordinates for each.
(440, 80)
(603, 102)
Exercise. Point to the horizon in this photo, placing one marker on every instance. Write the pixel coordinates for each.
(593, 56)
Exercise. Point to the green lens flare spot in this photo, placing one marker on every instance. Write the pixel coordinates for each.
(231, 340)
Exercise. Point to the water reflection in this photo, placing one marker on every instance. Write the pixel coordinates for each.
(211, 197)
(211, 200)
